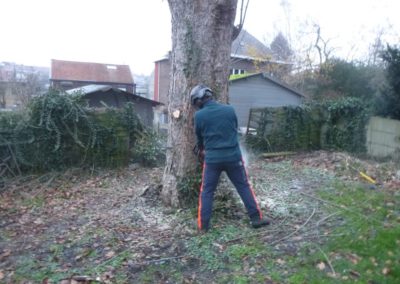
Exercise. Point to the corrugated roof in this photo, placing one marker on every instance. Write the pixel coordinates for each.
(90, 72)
(88, 89)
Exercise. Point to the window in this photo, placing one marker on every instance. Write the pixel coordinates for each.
(237, 71)
(163, 118)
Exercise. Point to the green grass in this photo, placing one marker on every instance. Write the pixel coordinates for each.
(37, 270)
(368, 251)
(364, 247)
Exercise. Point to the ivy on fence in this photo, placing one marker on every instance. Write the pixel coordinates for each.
(337, 124)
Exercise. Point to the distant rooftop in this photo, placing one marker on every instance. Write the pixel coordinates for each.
(90, 72)
(247, 46)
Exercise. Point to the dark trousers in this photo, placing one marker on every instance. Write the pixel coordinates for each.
(238, 176)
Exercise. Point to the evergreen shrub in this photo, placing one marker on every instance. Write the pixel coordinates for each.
(58, 130)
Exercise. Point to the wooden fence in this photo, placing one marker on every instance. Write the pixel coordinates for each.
(383, 137)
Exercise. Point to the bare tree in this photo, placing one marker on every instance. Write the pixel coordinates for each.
(376, 49)
(26, 87)
(3, 90)
(202, 33)
(285, 4)
(321, 45)
(315, 50)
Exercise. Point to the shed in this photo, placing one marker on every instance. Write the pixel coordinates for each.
(257, 91)
(97, 95)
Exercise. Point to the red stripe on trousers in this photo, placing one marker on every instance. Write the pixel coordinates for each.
(199, 225)
(251, 189)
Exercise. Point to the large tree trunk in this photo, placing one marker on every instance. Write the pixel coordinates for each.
(201, 44)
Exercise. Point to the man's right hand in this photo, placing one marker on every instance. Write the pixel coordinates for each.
(199, 152)
(200, 156)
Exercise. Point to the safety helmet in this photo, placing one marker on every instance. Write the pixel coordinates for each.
(199, 92)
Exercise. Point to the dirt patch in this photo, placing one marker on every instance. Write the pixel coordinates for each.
(112, 223)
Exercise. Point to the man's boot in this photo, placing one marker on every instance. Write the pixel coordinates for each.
(258, 223)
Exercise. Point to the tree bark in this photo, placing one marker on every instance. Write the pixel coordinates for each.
(201, 45)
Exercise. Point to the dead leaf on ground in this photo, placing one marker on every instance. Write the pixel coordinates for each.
(353, 258)
(373, 260)
(219, 246)
(38, 221)
(354, 273)
(321, 266)
(107, 276)
(297, 238)
(110, 254)
(385, 271)
(78, 279)
(280, 261)
(1, 275)
(5, 254)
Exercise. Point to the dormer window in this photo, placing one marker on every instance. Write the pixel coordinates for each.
(112, 67)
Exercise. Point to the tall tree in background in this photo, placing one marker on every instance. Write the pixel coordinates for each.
(280, 48)
(339, 78)
(389, 101)
(281, 52)
(202, 33)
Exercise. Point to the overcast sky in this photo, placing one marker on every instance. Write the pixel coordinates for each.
(137, 32)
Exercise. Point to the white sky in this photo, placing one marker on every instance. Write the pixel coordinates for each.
(137, 32)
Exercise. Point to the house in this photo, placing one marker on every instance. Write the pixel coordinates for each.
(67, 75)
(248, 55)
(100, 95)
(257, 91)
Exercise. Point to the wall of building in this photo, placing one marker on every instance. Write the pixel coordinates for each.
(163, 77)
(256, 92)
(142, 107)
(383, 137)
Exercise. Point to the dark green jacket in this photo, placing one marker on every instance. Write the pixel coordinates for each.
(216, 131)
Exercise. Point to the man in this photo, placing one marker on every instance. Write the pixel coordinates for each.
(217, 140)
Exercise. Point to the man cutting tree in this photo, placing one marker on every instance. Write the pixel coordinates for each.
(217, 142)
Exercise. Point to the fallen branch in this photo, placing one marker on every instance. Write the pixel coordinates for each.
(161, 260)
(327, 217)
(294, 232)
(14, 159)
(315, 237)
(327, 260)
(276, 154)
(325, 201)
